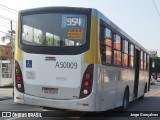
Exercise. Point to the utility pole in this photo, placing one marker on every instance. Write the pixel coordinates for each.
(11, 42)
(11, 51)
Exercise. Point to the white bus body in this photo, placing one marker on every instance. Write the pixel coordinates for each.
(77, 81)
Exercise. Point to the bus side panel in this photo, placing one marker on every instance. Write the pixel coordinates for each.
(140, 84)
(143, 79)
(121, 83)
(124, 78)
(98, 86)
(130, 83)
(108, 87)
(113, 83)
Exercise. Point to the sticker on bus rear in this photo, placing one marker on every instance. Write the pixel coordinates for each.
(28, 63)
(75, 34)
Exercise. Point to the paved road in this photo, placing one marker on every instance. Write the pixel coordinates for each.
(150, 103)
(6, 93)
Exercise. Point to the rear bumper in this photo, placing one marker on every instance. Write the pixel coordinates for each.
(85, 104)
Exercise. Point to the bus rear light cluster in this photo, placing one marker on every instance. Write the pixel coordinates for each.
(18, 78)
(86, 86)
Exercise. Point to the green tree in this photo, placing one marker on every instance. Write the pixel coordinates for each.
(156, 68)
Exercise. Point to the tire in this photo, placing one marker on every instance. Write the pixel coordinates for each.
(125, 100)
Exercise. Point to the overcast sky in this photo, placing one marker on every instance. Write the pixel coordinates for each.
(138, 18)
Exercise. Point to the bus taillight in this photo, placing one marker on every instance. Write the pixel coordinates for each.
(86, 86)
(18, 78)
(86, 83)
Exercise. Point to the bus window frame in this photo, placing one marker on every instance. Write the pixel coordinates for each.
(129, 45)
(117, 50)
(104, 24)
(124, 52)
(60, 50)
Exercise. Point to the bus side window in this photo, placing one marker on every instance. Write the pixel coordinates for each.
(147, 66)
(117, 50)
(145, 60)
(125, 53)
(142, 59)
(106, 44)
(131, 55)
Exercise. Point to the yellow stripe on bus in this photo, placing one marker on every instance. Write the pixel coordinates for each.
(17, 55)
(92, 56)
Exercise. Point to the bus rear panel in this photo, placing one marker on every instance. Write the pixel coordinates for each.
(49, 60)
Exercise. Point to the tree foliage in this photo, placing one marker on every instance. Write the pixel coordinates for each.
(156, 60)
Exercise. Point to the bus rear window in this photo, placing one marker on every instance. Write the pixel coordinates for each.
(54, 29)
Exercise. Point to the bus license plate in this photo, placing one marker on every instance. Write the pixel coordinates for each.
(50, 90)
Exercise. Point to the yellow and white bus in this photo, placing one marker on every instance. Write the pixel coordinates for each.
(77, 59)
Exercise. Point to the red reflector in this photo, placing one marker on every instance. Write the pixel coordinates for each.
(18, 98)
(18, 78)
(85, 104)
